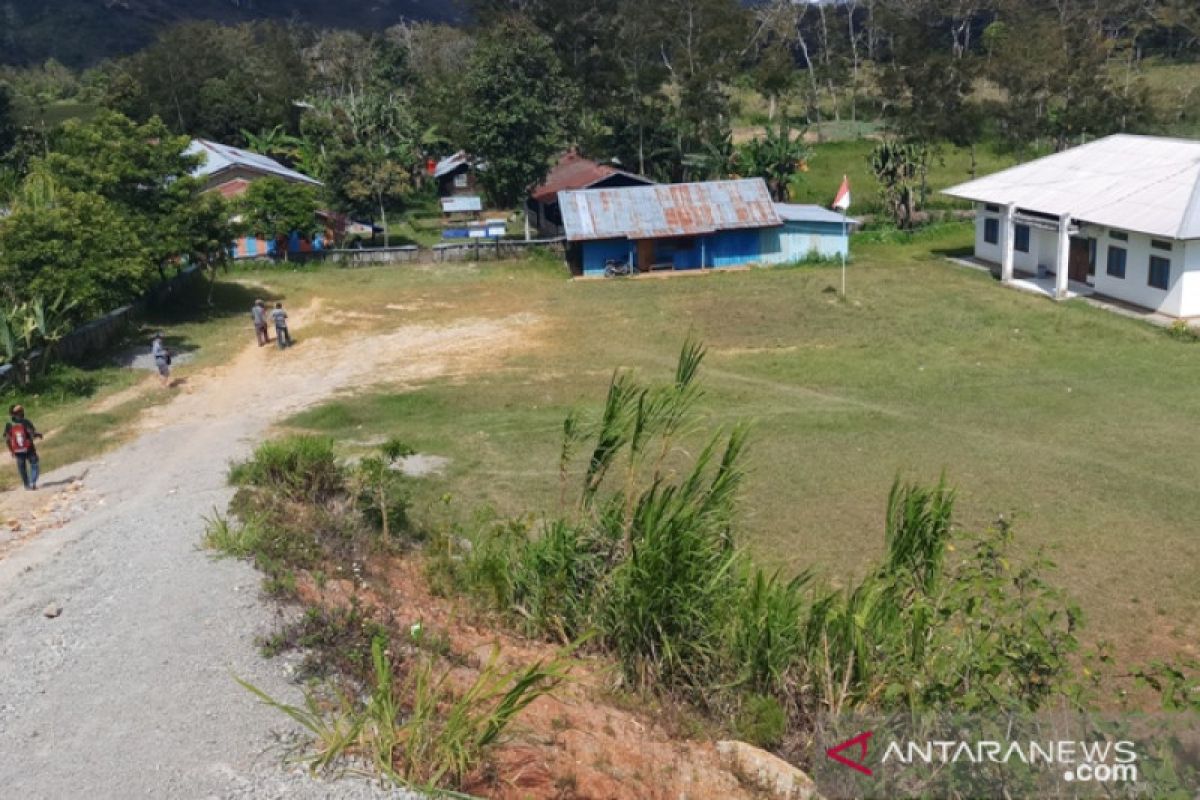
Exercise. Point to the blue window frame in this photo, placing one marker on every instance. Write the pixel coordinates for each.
(1160, 272)
(1021, 238)
(991, 230)
(1116, 261)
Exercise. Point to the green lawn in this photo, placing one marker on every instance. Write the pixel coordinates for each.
(1076, 423)
(831, 160)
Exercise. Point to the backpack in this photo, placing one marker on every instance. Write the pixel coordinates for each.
(19, 440)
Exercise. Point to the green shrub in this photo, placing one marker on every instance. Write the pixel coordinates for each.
(761, 721)
(380, 489)
(301, 468)
(333, 640)
(983, 633)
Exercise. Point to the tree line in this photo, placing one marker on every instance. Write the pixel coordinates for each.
(658, 88)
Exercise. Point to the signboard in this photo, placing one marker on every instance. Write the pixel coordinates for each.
(461, 205)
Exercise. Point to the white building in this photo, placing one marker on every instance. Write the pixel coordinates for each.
(1118, 217)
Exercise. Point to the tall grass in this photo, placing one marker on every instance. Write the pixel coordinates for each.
(428, 735)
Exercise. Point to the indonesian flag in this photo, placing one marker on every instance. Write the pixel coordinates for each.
(842, 200)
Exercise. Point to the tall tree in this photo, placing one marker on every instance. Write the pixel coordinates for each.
(275, 208)
(77, 246)
(139, 168)
(513, 121)
(369, 180)
(214, 82)
(930, 79)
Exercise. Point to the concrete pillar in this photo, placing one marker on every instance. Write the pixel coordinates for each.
(1062, 262)
(1008, 242)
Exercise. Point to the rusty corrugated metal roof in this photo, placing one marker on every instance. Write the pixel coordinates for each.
(677, 209)
(572, 172)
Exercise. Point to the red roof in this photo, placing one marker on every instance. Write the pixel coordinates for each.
(572, 172)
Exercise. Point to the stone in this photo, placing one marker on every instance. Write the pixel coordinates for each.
(766, 773)
(51, 611)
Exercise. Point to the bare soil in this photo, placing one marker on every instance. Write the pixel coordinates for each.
(587, 741)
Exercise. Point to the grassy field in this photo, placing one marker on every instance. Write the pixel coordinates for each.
(831, 160)
(1073, 422)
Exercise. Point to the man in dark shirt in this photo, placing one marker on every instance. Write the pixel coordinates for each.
(19, 434)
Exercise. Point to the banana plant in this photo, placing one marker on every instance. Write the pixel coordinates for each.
(49, 323)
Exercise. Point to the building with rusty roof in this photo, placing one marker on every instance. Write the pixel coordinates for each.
(573, 172)
(694, 226)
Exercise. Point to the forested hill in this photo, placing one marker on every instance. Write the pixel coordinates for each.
(81, 32)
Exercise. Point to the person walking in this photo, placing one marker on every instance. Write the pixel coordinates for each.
(279, 317)
(19, 433)
(162, 359)
(258, 312)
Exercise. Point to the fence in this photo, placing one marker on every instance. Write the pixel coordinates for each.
(100, 333)
(468, 250)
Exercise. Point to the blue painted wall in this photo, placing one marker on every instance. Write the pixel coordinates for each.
(733, 248)
(797, 241)
(595, 254)
(792, 242)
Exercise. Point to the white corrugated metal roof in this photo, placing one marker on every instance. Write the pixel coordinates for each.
(450, 163)
(795, 212)
(1146, 184)
(221, 156)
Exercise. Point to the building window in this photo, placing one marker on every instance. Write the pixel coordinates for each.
(991, 230)
(1116, 261)
(1159, 244)
(460, 180)
(992, 208)
(1119, 236)
(1021, 238)
(1160, 272)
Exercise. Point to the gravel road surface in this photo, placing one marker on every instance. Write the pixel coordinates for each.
(129, 691)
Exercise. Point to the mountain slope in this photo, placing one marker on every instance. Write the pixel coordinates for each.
(81, 32)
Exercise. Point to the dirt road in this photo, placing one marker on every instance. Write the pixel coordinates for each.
(129, 691)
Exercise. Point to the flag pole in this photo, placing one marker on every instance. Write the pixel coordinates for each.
(842, 203)
(846, 239)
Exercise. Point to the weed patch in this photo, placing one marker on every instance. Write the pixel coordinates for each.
(429, 735)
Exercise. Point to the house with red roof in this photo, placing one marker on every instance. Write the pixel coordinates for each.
(572, 173)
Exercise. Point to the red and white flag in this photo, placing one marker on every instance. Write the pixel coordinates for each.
(842, 201)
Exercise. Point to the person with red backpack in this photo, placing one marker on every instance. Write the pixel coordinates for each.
(19, 433)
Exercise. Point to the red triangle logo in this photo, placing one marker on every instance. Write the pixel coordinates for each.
(858, 742)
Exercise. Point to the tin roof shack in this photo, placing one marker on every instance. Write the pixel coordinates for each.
(573, 172)
(456, 175)
(682, 226)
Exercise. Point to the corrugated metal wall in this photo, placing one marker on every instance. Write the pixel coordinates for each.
(798, 241)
